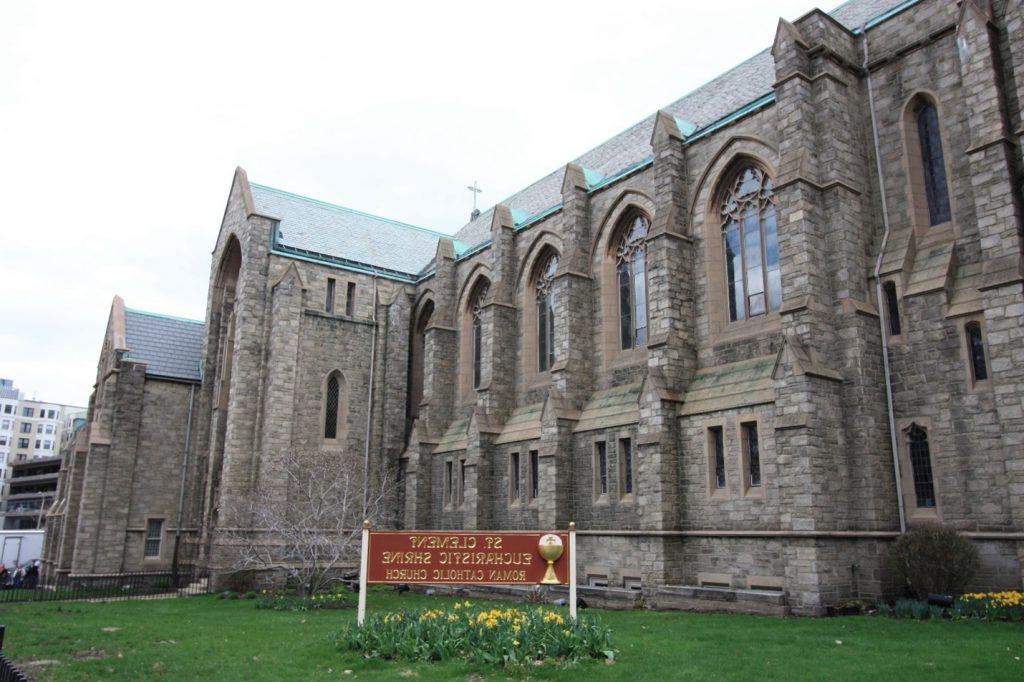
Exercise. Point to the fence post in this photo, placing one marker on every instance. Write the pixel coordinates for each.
(3, 629)
(364, 557)
(572, 570)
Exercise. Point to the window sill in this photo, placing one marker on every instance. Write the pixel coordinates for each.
(601, 501)
(718, 494)
(742, 330)
(754, 492)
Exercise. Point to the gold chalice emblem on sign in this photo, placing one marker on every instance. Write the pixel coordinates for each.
(550, 549)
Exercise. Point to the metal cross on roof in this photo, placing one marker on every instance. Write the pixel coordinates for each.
(475, 190)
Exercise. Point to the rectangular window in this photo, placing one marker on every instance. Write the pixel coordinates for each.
(154, 532)
(462, 481)
(38, 443)
(716, 450)
(892, 308)
(513, 478)
(48, 445)
(600, 469)
(330, 295)
(350, 299)
(5, 424)
(751, 454)
(39, 428)
(448, 482)
(23, 442)
(3, 440)
(49, 429)
(8, 409)
(53, 414)
(28, 412)
(626, 465)
(534, 474)
(26, 427)
(976, 351)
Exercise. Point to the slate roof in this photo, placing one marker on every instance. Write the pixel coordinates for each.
(170, 346)
(324, 231)
(703, 107)
(319, 228)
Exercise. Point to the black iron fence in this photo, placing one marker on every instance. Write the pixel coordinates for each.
(8, 673)
(149, 585)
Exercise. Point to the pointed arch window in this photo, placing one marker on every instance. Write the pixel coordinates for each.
(933, 163)
(921, 464)
(477, 312)
(631, 275)
(332, 406)
(545, 293)
(750, 238)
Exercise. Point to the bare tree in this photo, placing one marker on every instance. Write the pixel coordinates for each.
(306, 524)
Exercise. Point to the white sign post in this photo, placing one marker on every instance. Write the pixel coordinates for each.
(364, 557)
(572, 571)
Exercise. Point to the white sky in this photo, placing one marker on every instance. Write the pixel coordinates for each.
(121, 125)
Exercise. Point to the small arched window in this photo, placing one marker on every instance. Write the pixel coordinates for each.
(921, 463)
(892, 308)
(976, 351)
(933, 164)
(477, 311)
(631, 272)
(545, 295)
(332, 406)
(750, 237)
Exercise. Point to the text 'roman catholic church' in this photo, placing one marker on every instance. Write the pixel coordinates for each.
(741, 344)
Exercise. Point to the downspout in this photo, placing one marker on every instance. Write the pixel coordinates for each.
(369, 405)
(879, 297)
(181, 489)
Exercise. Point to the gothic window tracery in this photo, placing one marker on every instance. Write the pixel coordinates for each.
(631, 273)
(478, 333)
(750, 238)
(545, 295)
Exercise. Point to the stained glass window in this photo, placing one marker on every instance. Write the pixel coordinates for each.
(750, 238)
(921, 463)
(478, 333)
(331, 405)
(933, 164)
(546, 313)
(976, 349)
(630, 269)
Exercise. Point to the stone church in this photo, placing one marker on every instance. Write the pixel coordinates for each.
(742, 345)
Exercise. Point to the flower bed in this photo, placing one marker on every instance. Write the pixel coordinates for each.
(991, 606)
(505, 637)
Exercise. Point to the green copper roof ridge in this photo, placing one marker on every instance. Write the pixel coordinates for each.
(891, 12)
(339, 207)
(163, 316)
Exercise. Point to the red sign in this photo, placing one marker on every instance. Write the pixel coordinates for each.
(500, 558)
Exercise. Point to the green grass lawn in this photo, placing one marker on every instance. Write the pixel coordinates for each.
(203, 637)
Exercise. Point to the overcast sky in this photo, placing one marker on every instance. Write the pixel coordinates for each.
(121, 125)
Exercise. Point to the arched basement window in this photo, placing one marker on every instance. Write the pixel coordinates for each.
(545, 295)
(750, 237)
(933, 164)
(921, 463)
(631, 272)
(976, 351)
